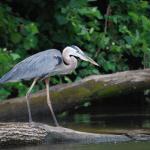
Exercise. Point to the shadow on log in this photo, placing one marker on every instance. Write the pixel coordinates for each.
(67, 96)
(37, 133)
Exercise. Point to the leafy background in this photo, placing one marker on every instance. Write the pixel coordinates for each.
(114, 33)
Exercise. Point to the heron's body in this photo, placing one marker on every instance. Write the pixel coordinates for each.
(42, 65)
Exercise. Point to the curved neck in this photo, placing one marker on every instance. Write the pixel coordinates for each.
(69, 60)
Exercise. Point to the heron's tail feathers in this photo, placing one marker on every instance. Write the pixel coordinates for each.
(5, 78)
(1, 81)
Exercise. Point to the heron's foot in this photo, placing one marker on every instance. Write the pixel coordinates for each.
(30, 118)
(56, 124)
(31, 122)
(55, 120)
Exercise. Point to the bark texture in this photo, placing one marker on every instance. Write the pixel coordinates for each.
(37, 133)
(67, 96)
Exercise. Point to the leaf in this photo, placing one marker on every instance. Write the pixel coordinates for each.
(67, 79)
(16, 38)
(93, 12)
(30, 42)
(15, 56)
(3, 94)
(109, 66)
(61, 19)
(31, 28)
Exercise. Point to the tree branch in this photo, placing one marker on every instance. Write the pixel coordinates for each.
(108, 11)
(67, 96)
(37, 133)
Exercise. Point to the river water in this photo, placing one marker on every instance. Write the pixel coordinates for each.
(108, 146)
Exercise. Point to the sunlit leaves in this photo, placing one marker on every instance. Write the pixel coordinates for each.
(31, 28)
(5, 60)
(15, 56)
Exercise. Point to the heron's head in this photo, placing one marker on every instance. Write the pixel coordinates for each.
(77, 52)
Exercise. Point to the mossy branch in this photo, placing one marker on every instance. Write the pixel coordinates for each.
(67, 96)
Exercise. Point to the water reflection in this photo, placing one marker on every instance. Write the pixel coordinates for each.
(115, 113)
(108, 146)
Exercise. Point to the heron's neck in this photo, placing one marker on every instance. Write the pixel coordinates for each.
(71, 62)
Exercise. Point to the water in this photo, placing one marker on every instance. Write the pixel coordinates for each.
(108, 146)
(109, 117)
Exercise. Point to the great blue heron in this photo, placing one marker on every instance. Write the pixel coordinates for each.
(41, 66)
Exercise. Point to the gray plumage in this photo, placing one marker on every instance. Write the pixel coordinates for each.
(39, 65)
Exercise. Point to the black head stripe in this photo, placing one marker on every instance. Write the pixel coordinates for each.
(74, 47)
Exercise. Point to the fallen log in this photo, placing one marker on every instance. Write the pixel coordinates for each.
(67, 96)
(36, 133)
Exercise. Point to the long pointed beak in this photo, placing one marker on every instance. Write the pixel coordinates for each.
(92, 61)
(84, 57)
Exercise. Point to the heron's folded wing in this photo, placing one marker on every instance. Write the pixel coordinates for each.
(38, 65)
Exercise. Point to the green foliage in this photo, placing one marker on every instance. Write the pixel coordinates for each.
(17, 35)
(113, 40)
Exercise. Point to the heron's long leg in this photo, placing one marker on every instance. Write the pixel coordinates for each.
(49, 102)
(28, 97)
